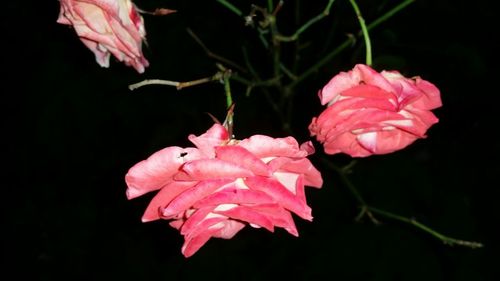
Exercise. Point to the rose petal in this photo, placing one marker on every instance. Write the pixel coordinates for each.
(264, 146)
(281, 194)
(190, 196)
(249, 215)
(163, 198)
(158, 170)
(234, 196)
(215, 136)
(242, 157)
(205, 169)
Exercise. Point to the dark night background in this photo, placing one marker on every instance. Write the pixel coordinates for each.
(73, 129)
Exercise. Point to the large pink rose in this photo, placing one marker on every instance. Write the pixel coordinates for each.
(107, 27)
(223, 184)
(374, 113)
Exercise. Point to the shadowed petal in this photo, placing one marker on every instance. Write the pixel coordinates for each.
(249, 215)
(163, 198)
(278, 215)
(193, 243)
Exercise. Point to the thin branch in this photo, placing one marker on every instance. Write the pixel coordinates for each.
(303, 28)
(354, 191)
(214, 55)
(446, 240)
(369, 211)
(179, 85)
(326, 59)
(231, 7)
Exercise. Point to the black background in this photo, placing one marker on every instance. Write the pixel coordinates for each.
(73, 129)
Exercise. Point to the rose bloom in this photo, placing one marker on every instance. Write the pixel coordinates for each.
(374, 113)
(223, 184)
(107, 27)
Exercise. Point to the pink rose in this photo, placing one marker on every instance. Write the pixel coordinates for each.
(374, 113)
(107, 27)
(217, 188)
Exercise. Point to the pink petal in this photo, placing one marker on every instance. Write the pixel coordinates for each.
(280, 194)
(231, 227)
(205, 169)
(288, 180)
(387, 141)
(196, 218)
(114, 26)
(346, 80)
(374, 95)
(278, 162)
(278, 215)
(308, 147)
(193, 243)
(158, 170)
(215, 136)
(234, 196)
(186, 199)
(346, 143)
(312, 177)
(240, 156)
(214, 221)
(163, 198)
(431, 97)
(249, 215)
(264, 146)
(177, 224)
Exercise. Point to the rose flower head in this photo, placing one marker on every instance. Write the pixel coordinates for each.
(221, 185)
(374, 113)
(107, 27)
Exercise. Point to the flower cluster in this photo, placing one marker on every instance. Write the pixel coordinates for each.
(222, 184)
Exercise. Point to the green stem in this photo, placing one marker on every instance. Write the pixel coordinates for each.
(347, 43)
(227, 89)
(390, 13)
(229, 122)
(276, 47)
(270, 6)
(365, 32)
(447, 240)
(303, 28)
(231, 7)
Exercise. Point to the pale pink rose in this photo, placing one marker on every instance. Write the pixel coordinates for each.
(374, 113)
(107, 27)
(222, 185)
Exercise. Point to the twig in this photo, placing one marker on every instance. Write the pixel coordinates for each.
(231, 7)
(179, 85)
(214, 55)
(347, 43)
(303, 28)
(446, 240)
